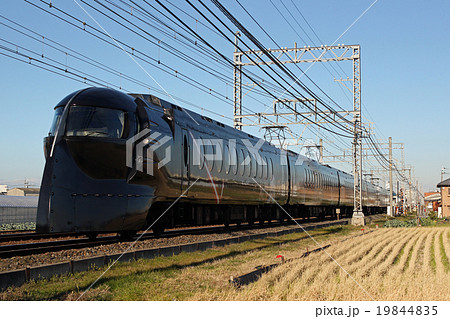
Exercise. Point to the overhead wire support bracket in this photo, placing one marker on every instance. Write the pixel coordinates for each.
(308, 54)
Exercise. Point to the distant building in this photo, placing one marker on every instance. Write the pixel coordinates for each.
(22, 191)
(445, 197)
(18, 209)
(432, 200)
(3, 189)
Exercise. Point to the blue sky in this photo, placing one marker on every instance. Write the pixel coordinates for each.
(405, 87)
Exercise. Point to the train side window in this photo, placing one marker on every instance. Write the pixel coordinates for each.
(226, 159)
(261, 167)
(185, 151)
(265, 168)
(201, 150)
(310, 179)
(241, 161)
(210, 153)
(254, 167)
(249, 166)
(307, 178)
(235, 160)
(221, 157)
(314, 180)
(271, 169)
(304, 184)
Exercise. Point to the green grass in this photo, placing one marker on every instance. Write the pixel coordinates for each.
(432, 257)
(18, 226)
(178, 277)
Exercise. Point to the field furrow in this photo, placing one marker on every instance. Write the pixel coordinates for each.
(402, 263)
(418, 248)
(380, 248)
(383, 267)
(363, 248)
(439, 265)
(390, 264)
(426, 260)
(444, 244)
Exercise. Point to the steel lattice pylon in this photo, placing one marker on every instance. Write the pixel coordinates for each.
(302, 55)
(237, 86)
(357, 139)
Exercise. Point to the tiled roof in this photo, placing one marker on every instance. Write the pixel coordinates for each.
(444, 183)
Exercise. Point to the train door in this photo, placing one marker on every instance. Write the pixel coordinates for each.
(186, 160)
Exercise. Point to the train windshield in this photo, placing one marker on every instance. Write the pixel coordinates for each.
(95, 122)
(56, 119)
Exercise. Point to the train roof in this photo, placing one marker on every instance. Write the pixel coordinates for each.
(100, 97)
(198, 117)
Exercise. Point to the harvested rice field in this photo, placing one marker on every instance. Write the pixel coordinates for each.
(387, 264)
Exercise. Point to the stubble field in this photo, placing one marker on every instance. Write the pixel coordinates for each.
(387, 264)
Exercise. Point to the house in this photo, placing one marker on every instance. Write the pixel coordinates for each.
(445, 197)
(23, 191)
(433, 200)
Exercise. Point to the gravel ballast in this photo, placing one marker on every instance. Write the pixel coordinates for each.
(21, 262)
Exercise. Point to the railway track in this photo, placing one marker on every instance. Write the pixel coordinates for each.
(31, 236)
(25, 249)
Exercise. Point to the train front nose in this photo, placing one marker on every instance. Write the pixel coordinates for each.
(85, 187)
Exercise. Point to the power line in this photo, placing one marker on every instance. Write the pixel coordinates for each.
(344, 128)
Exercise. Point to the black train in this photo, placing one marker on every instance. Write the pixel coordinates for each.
(116, 162)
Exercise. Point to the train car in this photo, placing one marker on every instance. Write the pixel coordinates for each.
(120, 163)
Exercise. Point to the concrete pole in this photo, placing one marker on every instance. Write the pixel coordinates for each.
(391, 186)
(321, 151)
(410, 191)
(417, 198)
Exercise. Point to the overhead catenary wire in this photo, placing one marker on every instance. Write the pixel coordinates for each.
(133, 50)
(273, 59)
(118, 87)
(228, 82)
(271, 38)
(168, 10)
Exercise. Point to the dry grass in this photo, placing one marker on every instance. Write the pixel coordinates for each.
(385, 264)
(389, 264)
